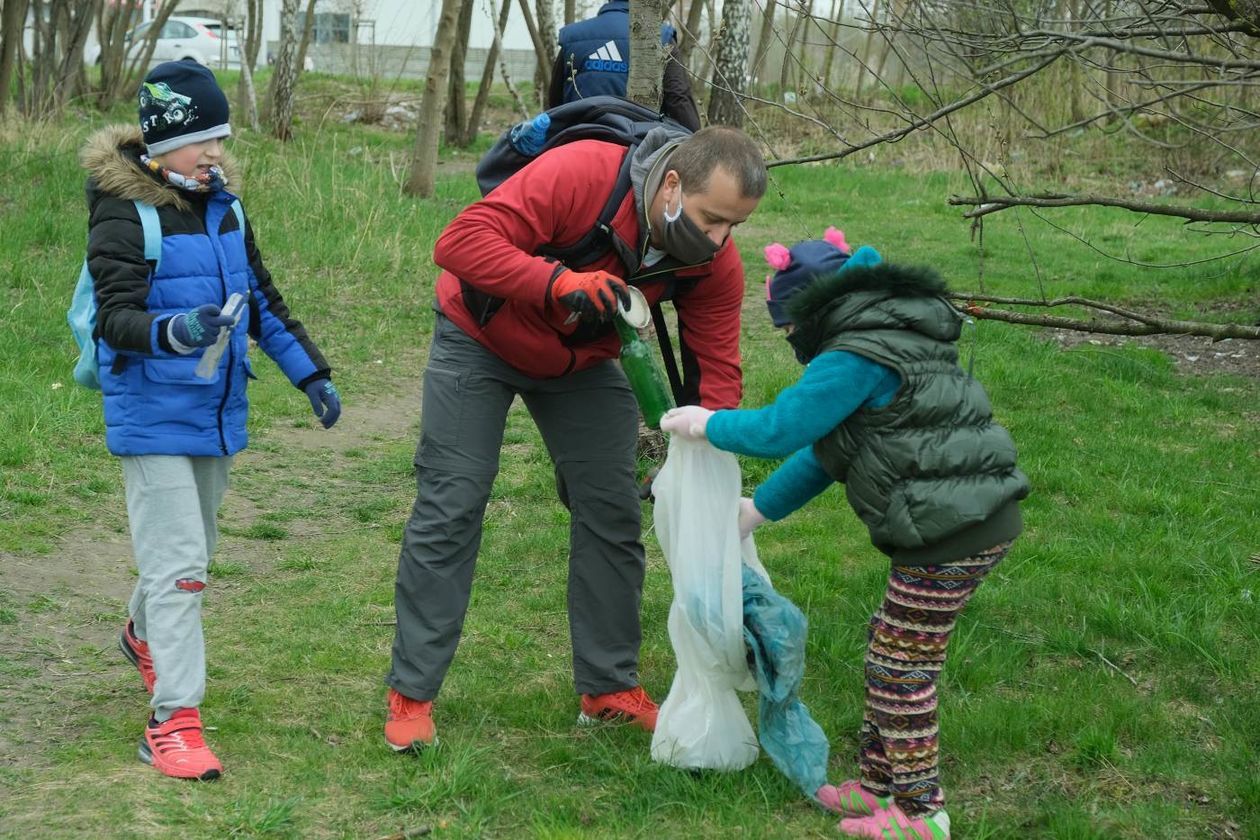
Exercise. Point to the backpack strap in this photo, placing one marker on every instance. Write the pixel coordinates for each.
(152, 233)
(667, 353)
(601, 238)
(240, 214)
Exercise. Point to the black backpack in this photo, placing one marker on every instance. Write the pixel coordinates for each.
(608, 118)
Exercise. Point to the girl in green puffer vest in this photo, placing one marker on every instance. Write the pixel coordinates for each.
(884, 408)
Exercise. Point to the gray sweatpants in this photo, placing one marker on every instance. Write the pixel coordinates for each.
(589, 422)
(172, 501)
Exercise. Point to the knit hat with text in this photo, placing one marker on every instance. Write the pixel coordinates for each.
(181, 103)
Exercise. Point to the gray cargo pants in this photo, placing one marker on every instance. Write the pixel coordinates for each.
(589, 422)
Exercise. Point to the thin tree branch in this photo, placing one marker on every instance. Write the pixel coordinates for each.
(989, 204)
(1147, 325)
(923, 122)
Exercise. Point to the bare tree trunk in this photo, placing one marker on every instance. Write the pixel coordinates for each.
(111, 27)
(456, 95)
(487, 76)
(864, 59)
(308, 27)
(688, 40)
(706, 66)
(129, 78)
(731, 65)
(284, 78)
(763, 42)
(248, 42)
(647, 58)
(424, 165)
(73, 23)
(547, 34)
(61, 30)
(545, 58)
(507, 77)
(785, 70)
(837, 12)
(570, 11)
(253, 32)
(12, 21)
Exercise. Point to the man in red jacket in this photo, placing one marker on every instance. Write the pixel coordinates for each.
(512, 321)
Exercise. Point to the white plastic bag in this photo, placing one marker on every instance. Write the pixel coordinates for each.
(701, 723)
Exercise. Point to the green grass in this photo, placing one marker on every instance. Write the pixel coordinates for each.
(1103, 683)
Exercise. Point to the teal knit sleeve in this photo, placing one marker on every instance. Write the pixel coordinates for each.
(833, 386)
(797, 480)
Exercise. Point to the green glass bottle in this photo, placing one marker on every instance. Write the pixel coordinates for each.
(639, 362)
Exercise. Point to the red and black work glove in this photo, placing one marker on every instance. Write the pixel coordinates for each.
(591, 295)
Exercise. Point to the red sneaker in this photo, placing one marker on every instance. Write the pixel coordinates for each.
(629, 706)
(137, 653)
(177, 749)
(409, 724)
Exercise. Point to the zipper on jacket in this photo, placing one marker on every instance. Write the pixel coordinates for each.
(217, 246)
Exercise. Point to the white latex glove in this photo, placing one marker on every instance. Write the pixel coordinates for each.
(749, 517)
(688, 421)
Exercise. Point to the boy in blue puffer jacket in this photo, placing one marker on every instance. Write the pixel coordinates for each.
(884, 408)
(175, 430)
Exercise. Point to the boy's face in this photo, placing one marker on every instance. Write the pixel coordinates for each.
(194, 159)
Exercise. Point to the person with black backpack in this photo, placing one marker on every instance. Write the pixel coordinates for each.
(594, 60)
(533, 274)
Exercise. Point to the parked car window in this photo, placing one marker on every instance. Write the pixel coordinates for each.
(177, 29)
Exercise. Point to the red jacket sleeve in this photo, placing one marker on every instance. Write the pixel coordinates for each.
(708, 332)
(492, 242)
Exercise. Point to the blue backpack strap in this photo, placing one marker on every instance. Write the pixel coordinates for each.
(152, 233)
(240, 214)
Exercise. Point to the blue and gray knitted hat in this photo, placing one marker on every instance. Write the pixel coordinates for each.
(181, 103)
(799, 265)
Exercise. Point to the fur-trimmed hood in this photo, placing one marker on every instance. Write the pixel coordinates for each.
(882, 296)
(111, 157)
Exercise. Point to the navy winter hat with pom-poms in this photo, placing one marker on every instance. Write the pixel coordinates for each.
(798, 266)
(181, 103)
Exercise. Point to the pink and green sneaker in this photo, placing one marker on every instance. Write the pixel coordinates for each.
(850, 799)
(891, 823)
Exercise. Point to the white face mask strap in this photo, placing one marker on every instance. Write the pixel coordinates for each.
(670, 218)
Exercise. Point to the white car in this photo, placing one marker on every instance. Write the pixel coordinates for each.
(200, 39)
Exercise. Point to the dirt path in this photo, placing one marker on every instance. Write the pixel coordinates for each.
(60, 613)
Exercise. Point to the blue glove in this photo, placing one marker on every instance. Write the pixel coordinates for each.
(325, 401)
(198, 328)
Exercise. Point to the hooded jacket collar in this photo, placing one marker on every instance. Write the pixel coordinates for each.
(882, 296)
(112, 160)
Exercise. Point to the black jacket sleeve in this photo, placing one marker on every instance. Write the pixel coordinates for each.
(274, 306)
(555, 93)
(115, 257)
(677, 101)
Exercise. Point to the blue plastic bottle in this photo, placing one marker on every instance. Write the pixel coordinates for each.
(528, 137)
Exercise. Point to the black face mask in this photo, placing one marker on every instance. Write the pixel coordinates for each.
(683, 239)
(797, 340)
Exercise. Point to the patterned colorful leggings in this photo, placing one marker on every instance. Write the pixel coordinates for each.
(905, 651)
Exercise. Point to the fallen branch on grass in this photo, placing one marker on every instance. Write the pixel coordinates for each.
(984, 205)
(1145, 324)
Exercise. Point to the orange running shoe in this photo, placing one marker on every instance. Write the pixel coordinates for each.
(409, 724)
(630, 706)
(137, 652)
(176, 748)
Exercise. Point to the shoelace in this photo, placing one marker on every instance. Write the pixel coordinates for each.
(401, 705)
(185, 739)
(638, 701)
